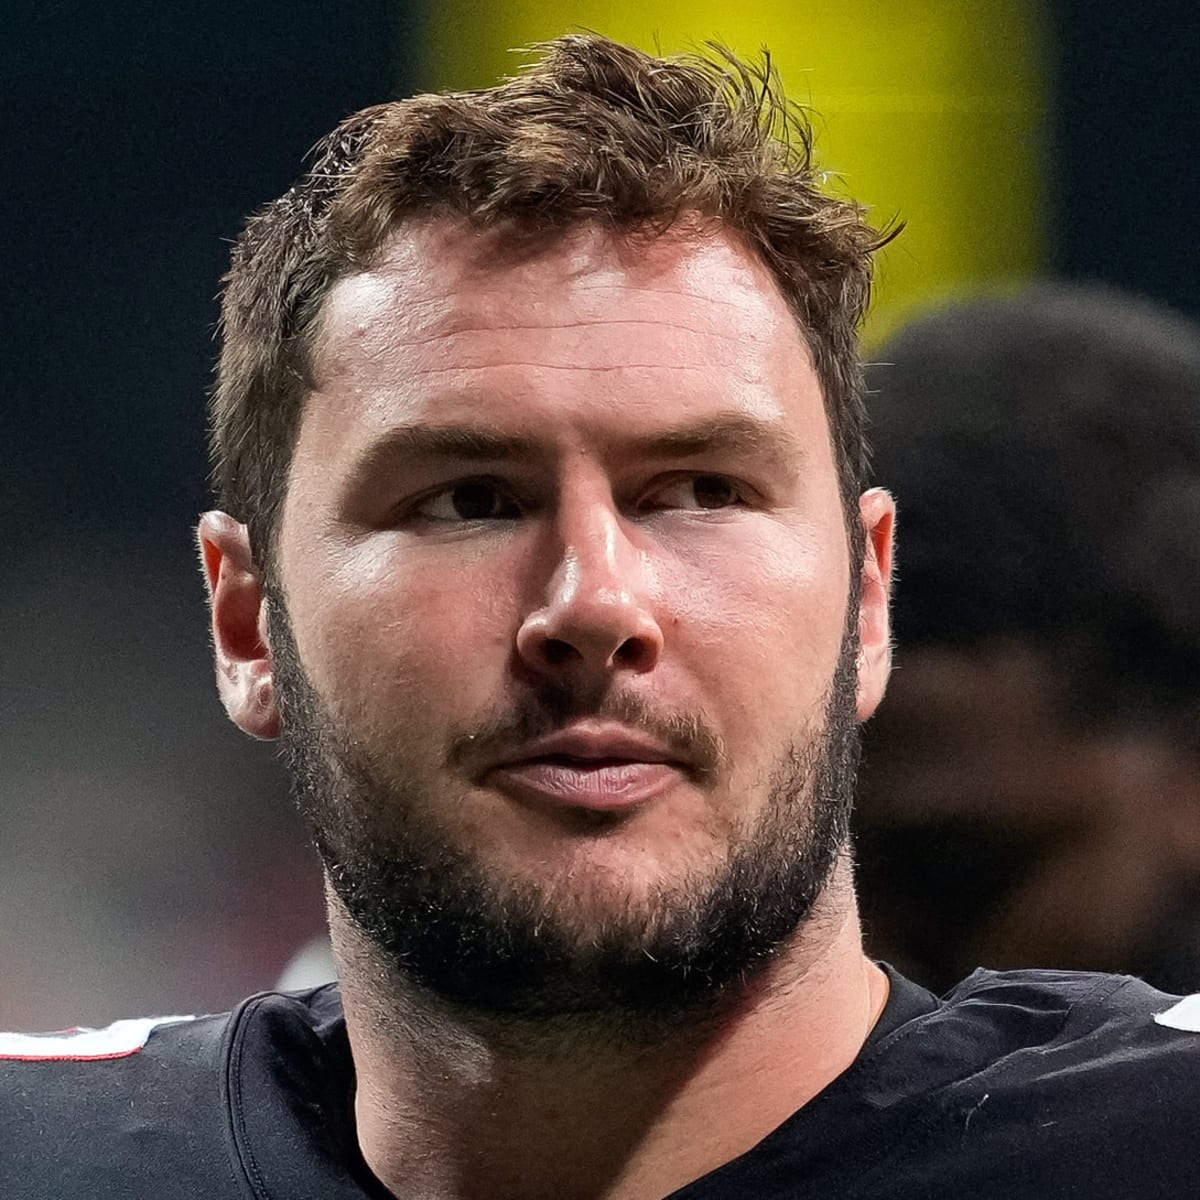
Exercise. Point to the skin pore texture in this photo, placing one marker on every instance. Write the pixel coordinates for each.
(591, 491)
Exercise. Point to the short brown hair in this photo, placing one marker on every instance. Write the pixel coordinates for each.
(595, 132)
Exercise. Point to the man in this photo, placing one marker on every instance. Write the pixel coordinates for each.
(1031, 795)
(538, 431)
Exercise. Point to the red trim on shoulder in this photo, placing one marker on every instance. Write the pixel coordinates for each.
(118, 1040)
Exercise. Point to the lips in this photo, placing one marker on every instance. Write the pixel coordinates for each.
(599, 768)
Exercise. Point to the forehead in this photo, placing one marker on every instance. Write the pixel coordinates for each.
(684, 320)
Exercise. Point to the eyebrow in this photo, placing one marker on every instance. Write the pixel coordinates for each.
(724, 433)
(729, 433)
(473, 443)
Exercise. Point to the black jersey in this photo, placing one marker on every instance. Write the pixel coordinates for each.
(1013, 1086)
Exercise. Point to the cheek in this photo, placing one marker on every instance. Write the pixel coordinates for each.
(768, 614)
(384, 629)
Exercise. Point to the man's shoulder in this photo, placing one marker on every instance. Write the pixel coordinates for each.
(141, 1107)
(134, 1057)
(1049, 1009)
(1039, 1082)
(1053, 1030)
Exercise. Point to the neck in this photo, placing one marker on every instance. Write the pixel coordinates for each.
(446, 1100)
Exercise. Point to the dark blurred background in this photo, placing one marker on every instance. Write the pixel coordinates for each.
(148, 857)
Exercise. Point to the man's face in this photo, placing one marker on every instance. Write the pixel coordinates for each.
(570, 635)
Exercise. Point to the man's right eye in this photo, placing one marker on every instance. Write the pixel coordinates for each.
(468, 500)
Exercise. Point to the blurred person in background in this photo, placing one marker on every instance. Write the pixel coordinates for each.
(545, 551)
(1031, 790)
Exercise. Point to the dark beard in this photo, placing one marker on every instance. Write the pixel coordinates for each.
(436, 915)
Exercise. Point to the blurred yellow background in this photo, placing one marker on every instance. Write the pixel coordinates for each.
(928, 112)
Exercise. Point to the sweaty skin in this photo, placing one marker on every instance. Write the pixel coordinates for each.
(608, 465)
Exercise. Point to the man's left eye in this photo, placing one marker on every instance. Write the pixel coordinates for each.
(697, 492)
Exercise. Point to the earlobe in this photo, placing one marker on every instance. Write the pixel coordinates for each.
(245, 677)
(877, 511)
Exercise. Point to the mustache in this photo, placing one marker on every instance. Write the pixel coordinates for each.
(686, 735)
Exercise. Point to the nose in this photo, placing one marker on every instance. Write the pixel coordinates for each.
(599, 614)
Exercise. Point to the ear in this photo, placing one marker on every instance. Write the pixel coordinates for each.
(245, 678)
(877, 511)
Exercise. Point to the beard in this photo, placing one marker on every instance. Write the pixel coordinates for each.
(439, 916)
